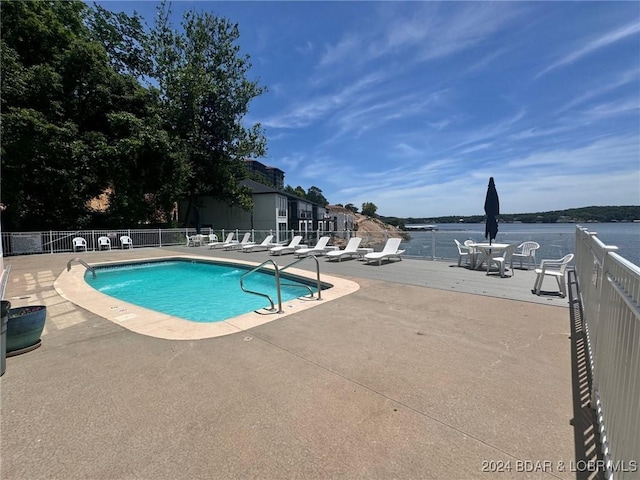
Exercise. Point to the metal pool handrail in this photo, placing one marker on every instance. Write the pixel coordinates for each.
(79, 260)
(277, 276)
(319, 285)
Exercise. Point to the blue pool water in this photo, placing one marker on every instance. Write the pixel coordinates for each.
(196, 291)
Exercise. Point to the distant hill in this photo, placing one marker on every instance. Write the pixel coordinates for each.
(571, 215)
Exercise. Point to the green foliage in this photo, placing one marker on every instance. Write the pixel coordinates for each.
(298, 191)
(314, 194)
(205, 94)
(124, 39)
(369, 209)
(395, 221)
(260, 178)
(352, 207)
(78, 123)
(578, 215)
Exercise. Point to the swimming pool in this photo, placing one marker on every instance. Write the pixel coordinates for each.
(198, 291)
(72, 286)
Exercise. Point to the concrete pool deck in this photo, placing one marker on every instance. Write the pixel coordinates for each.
(426, 371)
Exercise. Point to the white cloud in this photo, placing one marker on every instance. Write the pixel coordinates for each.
(604, 172)
(304, 113)
(594, 45)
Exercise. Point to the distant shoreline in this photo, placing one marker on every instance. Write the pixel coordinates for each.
(612, 214)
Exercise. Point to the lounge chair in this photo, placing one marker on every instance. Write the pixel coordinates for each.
(318, 249)
(234, 245)
(79, 243)
(227, 241)
(351, 250)
(389, 251)
(126, 242)
(266, 244)
(280, 249)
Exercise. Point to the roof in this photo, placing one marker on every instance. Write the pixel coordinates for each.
(339, 209)
(259, 188)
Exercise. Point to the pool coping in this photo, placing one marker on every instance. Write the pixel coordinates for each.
(70, 285)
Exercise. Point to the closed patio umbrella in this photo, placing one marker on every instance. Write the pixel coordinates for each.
(197, 221)
(492, 210)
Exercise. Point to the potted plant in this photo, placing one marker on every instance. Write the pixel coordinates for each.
(24, 328)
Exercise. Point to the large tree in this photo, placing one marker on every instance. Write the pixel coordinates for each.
(205, 93)
(76, 123)
(314, 194)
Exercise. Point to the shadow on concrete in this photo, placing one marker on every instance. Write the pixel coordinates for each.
(588, 449)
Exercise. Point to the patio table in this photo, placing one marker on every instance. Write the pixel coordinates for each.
(483, 252)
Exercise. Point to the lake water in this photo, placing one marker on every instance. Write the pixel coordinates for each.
(555, 239)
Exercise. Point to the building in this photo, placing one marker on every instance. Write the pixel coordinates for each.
(273, 211)
(274, 175)
(339, 219)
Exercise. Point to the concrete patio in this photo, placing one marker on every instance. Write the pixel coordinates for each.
(428, 371)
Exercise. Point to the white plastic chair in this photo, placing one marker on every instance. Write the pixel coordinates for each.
(317, 249)
(217, 244)
(126, 242)
(265, 245)
(104, 242)
(554, 268)
(502, 260)
(79, 243)
(351, 250)
(389, 251)
(464, 251)
(237, 245)
(291, 247)
(526, 250)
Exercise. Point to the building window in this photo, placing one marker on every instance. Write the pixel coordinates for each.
(282, 206)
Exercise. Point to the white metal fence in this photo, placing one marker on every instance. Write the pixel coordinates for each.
(436, 245)
(59, 241)
(609, 288)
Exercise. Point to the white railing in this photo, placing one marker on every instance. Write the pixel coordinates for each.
(437, 245)
(57, 241)
(60, 241)
(609, 288)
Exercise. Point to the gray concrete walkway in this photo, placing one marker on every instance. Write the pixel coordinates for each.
(428, 371)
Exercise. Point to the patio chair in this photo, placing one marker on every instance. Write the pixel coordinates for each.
(79, 243)
(389, 251)
(280, 249)
(227, 241)
(554, 268)
(233, 245)
(526, 250)
(266, 244)
(351, 250)
(501, 258)
(195, 240)
(104, 242)
(126, 242)
(464, 251)
(317, 249)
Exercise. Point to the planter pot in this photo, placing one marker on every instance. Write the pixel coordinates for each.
(24, 328)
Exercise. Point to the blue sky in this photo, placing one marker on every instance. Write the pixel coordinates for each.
(414, 105)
